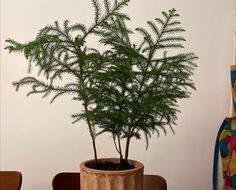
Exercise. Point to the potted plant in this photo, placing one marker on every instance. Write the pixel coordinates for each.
(128, 90)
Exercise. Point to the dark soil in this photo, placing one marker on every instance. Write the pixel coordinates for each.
(111, 166)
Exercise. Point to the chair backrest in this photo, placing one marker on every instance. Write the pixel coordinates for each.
(154, 182)
(10, 180)
(71, 181)
(66, 181)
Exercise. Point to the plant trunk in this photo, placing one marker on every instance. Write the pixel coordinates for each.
(127, 148)
(91, 133)
(119, 147)
(123, 162)
(129, 136)
(95, 150)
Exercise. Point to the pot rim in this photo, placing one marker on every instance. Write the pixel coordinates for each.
(138, 165)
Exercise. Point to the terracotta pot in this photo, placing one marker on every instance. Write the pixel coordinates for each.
(91, 179)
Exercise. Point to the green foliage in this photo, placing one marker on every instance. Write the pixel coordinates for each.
(129, 89)
(139, 91)
(59, 52)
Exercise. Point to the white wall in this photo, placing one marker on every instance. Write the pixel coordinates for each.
(39, 139)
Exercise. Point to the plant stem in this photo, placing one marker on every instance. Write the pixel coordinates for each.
(127, 148)
(127, 144)
(129, 136)
(86, 103)
(91, 132)
(85, 107)
(119, 146)
(114, 140)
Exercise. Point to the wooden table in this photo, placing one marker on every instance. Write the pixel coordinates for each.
(71, 181)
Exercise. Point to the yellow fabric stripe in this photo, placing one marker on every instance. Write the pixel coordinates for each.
(233, 67)
(224, 134)
(233, 124)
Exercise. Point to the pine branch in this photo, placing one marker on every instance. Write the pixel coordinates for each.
(107, 6)
(40, 87)
(117, 6)
(97, 8)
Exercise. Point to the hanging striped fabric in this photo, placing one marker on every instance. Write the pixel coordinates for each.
(226, 144)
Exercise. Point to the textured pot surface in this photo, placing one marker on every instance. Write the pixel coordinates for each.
(91, 179)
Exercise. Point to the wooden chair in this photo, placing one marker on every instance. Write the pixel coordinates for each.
(71, 181)
(66, 181)
(10, 180)
(154, 182)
